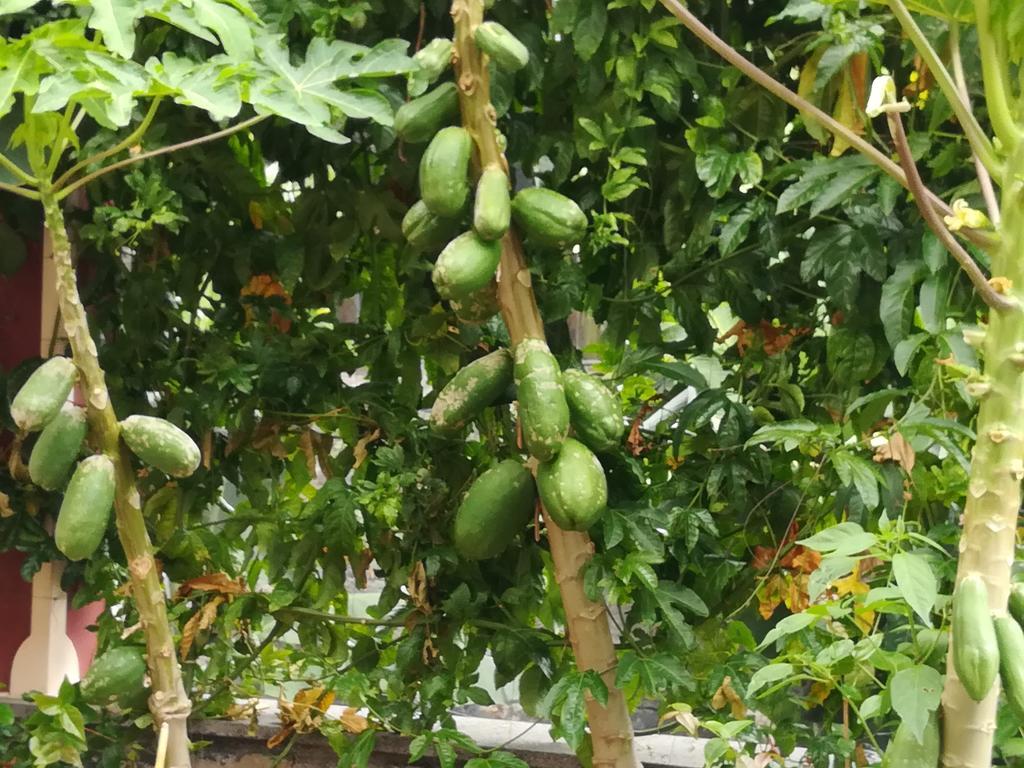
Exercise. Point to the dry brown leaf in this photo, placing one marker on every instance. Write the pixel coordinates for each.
(359, 451)
(200, 620)
(353, 722)
(213, 582)
(306, 446)
(417, 587)
(5, 505)
(817, 695)
(806, 561)
(207, 448)
(769, 596)
(897, 449)
(360, 565)
(797, 597)
(726, 694)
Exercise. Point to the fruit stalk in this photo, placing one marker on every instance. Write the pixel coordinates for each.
(997, 467)
(587, 621)
(168, 701)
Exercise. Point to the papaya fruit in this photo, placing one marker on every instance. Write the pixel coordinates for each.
(492, 207)
(466, 265)
(480, 306)
(1016, 603)
(595, 413)
(42, 395)
(1010, 638)
(85, 511)
(572, 487)
(543, 412)
(116, 676)
(905, 751)
(425, 231)
(975, 648)
(161, 445)
(548, 217)
(502, 46)
(444, 171)
(472, 389)
(58, 446)
(433, 59)
(497, 506)
(418, 120)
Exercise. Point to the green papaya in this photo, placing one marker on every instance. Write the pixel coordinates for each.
(418, 120)
(160, 444)
(572, 487)
(492, 207)
(501, 45)
(433, 59)
(444, 171)
(1016, 604)
(466, 265)
(975, 648)
(543, 412)
(42, 395)
(905, 751)
(1010, 638)
(85, 511)
(425, 231)
(497, 506)
(595, 413)
(480, 306)
(116, 676)
(57, 448)
(471, 390)
(548, 217)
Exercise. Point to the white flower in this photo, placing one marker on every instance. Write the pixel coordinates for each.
(883, 98)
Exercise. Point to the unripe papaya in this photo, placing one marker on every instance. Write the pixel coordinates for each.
(905, 751)
(57, 448)
(42, 395)
(492, 208)
(466, 265)
(85, 511)
(418, 120)
(975, 648)
(543, 412)
(160, 444)
(548, 217)
(425, 231)
(595, 412)
(572, 487)
(1016, 604)
(480, 306)
(501, 45)
(433, 59)
(497, 506)
(471, 390)
(444, 171)
(116, 676)
(1010, 638)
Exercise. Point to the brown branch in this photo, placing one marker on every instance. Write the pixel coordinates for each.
(773, 86)
(917, 189)
(67, 190)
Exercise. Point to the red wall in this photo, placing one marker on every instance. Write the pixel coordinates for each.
(20, 307)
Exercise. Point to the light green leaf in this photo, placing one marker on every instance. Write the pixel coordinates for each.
(200, 84)
(233, 29)
(857, 471)
(915, 693)
(895, 310)
(917, 582)
(772, 673)
(843, 539)
(115, 20)
(841, 186)
(15, 6)
(788, 626)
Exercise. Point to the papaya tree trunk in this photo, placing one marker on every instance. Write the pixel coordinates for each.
(168, 701)
(611, 730)
(993, 493)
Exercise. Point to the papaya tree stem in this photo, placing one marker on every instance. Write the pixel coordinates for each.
(168, 701)
(587, 624)
(993, 491)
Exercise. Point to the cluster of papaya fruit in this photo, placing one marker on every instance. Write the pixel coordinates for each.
(41, 406)
(464, 272)
(570, 480)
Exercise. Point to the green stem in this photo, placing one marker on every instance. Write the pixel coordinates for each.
(129, 141)
(26, 178)
(168, 701)
(993, 70)
(68, 189)
(26, 193)
(972, 128)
